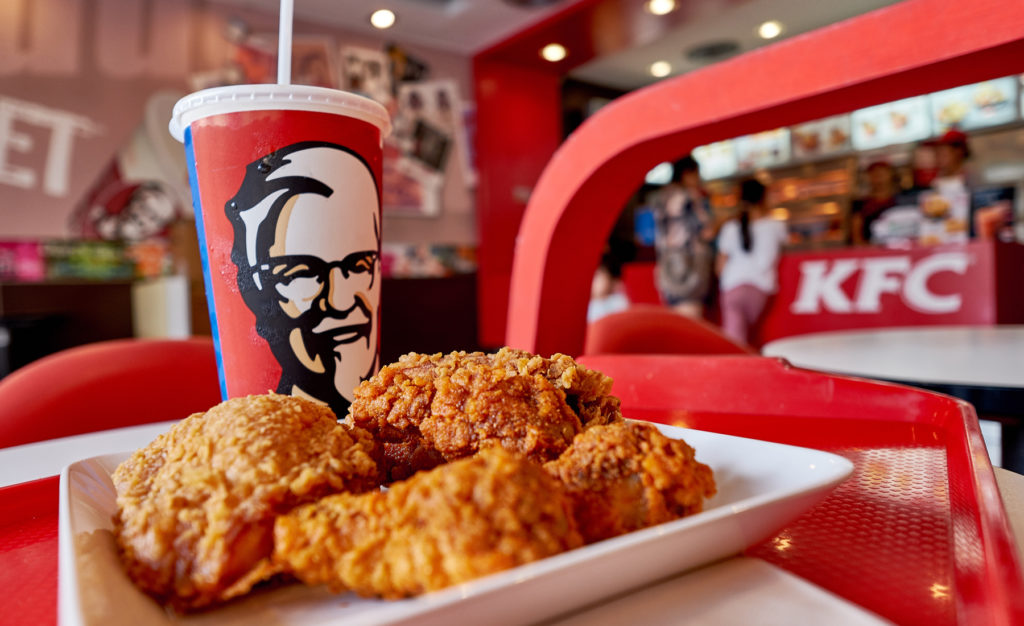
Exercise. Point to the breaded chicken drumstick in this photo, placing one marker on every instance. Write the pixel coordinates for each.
(445, 526)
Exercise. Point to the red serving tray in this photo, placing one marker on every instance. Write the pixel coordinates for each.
(28, 552)
(918, 534)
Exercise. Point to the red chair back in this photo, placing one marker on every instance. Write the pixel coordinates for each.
(109, 384)
(647, 329)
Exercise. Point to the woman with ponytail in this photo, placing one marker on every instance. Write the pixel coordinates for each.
(748, 255)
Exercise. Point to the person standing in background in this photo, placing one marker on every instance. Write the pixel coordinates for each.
(749, 247)
(881, 196)
(682, 241)
(951, 154)
(952, 184)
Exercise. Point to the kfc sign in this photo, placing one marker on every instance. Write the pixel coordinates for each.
(820, 287)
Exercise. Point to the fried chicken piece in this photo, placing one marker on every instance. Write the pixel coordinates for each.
(587, 391)
(477, 406)
(627, 476)
(425, 410)
(196, 507)
(459, 521)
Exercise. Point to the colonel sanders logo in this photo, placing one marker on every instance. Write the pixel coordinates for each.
(306, 243)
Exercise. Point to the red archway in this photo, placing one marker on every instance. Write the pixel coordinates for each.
(909, 48)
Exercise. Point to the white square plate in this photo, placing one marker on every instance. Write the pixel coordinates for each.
(761, 487)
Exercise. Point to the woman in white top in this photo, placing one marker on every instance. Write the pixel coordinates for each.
(748, 256)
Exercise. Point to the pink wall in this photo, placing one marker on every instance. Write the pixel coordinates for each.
(73, 85)
(82, 79)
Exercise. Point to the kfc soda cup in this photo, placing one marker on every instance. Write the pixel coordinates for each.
(286, 184)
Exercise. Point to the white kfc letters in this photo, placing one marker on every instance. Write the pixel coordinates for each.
(821, 284)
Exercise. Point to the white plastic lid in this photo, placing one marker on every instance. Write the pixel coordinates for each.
(265, 97)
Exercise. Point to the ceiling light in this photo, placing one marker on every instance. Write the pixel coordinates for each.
(660, 7)
(382, 18)
(770, 29)
(554, 52)
(660, 69)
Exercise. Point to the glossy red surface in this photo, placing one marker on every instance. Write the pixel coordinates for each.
(28, 552)
(518, 128)
(918, 534)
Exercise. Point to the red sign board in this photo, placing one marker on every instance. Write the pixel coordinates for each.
(873, 287)
(975, 283)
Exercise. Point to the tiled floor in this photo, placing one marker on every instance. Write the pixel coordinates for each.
(993, 435)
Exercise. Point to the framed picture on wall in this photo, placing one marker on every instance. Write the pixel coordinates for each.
(366, 71)
(430, 145)
(437, 105)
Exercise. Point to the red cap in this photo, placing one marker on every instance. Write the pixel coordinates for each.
(956, 138)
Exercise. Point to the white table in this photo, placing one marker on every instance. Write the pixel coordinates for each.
(20, 464)
(958, 355)
(983, 365)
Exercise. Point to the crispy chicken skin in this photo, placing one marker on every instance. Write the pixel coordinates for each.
(441, 527)
(627, 476)
(196, 507)
(587, 391)
(425, 410)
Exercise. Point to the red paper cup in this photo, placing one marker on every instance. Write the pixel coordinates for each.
(286, 186)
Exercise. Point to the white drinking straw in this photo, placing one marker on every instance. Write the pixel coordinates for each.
(284, 44)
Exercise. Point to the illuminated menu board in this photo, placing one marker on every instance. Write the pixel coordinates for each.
(761, 150)
(716, 160)
(821, 138)
(985, 104)
(989, 103)
(903, 121)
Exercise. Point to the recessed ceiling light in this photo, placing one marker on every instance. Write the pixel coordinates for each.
(660, 7)
(770, 29)
(554, 52)
(660, 69)
(382, 18)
